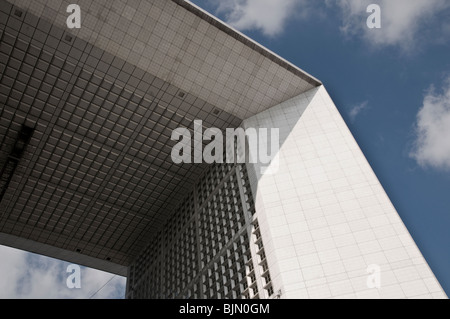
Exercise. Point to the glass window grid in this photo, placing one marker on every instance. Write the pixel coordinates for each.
(206, 245)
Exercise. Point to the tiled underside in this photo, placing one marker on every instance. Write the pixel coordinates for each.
(96, 175)
(185, 46)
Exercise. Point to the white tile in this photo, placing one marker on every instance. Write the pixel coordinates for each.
(340, 218)
(414, 288)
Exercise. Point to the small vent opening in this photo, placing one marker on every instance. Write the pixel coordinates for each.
(68, 38)
(18, 13)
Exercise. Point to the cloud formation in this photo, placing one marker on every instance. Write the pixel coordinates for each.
(25, 275)
(357, 109)
(432, 144)
(404, 22)
(268, 16)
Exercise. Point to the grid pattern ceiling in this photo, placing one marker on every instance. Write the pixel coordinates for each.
(181, 44)
(96, 176)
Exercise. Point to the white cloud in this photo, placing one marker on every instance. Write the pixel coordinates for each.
(357, 109)
(404, 22)
(432, 144)
(24, 275)
(268, 16)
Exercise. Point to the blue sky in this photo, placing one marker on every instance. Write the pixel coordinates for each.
(391, 85)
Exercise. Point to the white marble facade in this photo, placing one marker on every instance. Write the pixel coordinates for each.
(324, 216)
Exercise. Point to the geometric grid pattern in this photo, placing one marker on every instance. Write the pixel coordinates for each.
(205, 250)
(178, 42)
(96, 176)
(93, 155)
(324, 216)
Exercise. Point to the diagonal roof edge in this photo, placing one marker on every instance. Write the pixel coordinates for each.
(206, 16)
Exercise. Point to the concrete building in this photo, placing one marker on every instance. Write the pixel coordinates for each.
(86, 117)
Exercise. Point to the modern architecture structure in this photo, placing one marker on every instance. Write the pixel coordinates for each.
(86, 175)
